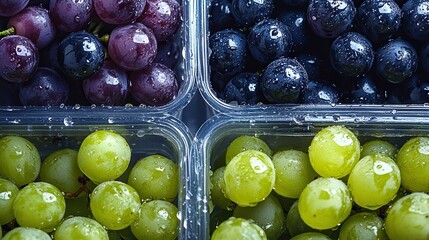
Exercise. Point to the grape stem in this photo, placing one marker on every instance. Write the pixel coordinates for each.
(97, 28)
(104, 38)
(7, 32)
(84, 180)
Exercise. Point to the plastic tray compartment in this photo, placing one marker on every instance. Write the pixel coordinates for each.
(145, 135)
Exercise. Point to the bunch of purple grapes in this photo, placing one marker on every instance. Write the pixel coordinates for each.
(102, 52)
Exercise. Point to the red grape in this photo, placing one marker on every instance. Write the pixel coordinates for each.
(11, 7)
(119, 11)
(70, 15)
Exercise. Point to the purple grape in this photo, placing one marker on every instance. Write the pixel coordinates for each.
(162, 16)
(35, 24)
(45, 88)
(109, 86)
(132, 46)
(20, 58)
(11, 7)
(155, 85)
(70, 15)
(119, 12)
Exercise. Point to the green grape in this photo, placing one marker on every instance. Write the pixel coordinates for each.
(81, 228)
(19, 160)
(77, 206)
(268, 214)
(103, 156)
(334, 151)
(311, 236)
(243, 143)
(294, 223)
(217, 191)
(60, 169)
(293, 173)
(26, 233)
(238, 228)
(374, 181)
(379, 147)
(39, 205)
(218, 216)
(249, 178)
(413, 162)
(363, 225)
(325, 203)
(157, 220)
(114, 204)
(155, 177)
(409, 218)
(8, 192)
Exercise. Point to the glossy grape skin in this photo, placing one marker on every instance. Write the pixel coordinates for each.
(20, 58)
(21, 233)
(408, 217)
(19, 160)
(283, 81)
(365, 91)
(70, 16)
(45, 88)
(45, 210)
(34, 23)
(238, 228)
(396, 61)
(363, 225)
(220, 16)
(217, 190)
(9, 8)
(8, 192)
(243, 143)
(119, 12)
(155, 85)
(243, 89)
(320, 92)
(80, 228)
(132, 46)
(415, 19)
(311, 236)
(108, 86)
(162, 16)
(379, 147)
(413, 162)
(247, 13)
(329, 19)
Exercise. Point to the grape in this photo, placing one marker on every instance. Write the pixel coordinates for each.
(293, 172)
(238, 228)
(413, 161)
(114, 204)
(294, 223)
(119, 12)
(334, 151)
(408, 217)
(11, 7)
(325, 203)
(45, 210)
(374, 181)
(217, 192)
(379, 147)
(70, 16)
(19, 160)
(26, 233)
(157, 220)
(8, 192)
(243, 143)
(155, 177)
(249, 178)
(311, 236)
(363, 225)
(103, 156)
(80, 228)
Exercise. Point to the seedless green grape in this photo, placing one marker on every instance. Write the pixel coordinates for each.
(8, 192)
(26, 233)
(157, 221)
(334, 151)
(217, 192)
(243, 143)
(325, 203)
(413, 162)
(103, 156)
(409, 218)
(249, 178)
(379, 147)
(155, 177)
(363, 225)
(374, 181)
(39, 205)
(238, 228)
(81, 228)
(19, 160)
(293, 172)
(294, 223)
(114, 204)
(311, 236)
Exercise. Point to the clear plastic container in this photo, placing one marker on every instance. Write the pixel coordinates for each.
(145, 135)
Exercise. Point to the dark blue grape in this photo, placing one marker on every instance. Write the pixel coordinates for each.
(220, 16)
(379, 20)
(415, 19)
(314, 65)
(417, 90)
(318, 92)
(330, 18)
(243, 89)
(396, 61)
(268, 40)
(249, 12)
(168, 53)
(424, 57)
(296, 3)
(352, 54)
(80, 54)
(11, 7)
(365, 91)
(283, 81)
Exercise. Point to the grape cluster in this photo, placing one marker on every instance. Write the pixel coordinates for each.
(89, 52)
(336, 189)
(319, 51)
(90, 193)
